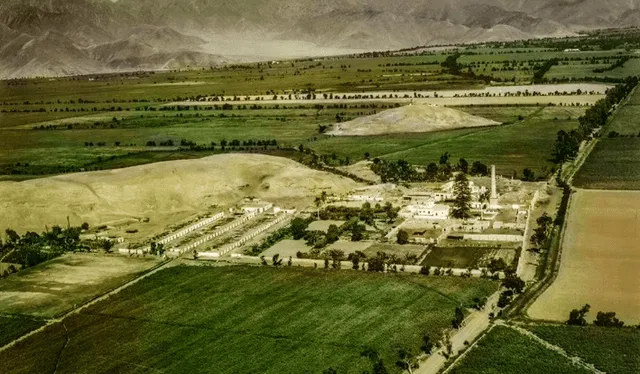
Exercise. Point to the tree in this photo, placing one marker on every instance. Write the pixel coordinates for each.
(376, 361)
(377, 263)
(402, 237)
(107, 244)
(330, 371)
(85, 226)
(407, 360)
(478, 168)
(427, 345)
(333, 234)
(357, 232)
(528, 175)
(463, 166)
(513, 283)
(461, 205)
(607, 319)
(298, 228)
(577, 317)
(277, 261)
(456, 322)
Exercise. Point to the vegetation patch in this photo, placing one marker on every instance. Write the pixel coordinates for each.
(252, 319)
(11, 328)
(612, 350)
(506, 351)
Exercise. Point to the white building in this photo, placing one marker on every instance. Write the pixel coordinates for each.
(364, 197)
(258, 207)
(426, 209)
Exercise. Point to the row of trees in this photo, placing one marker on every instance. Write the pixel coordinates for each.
(401, 171)
(567, 144)
(32, 248)
(577, 317)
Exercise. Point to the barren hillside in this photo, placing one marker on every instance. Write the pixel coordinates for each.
(410, 118)
(159, 190)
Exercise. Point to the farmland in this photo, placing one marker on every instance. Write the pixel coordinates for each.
(612, 350)
(250, 319)
(506, 351)
(56, 286)
(598, 267)
(455, 257)
(14, 327)
(615, 161)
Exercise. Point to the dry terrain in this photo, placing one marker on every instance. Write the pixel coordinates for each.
(54, 287)
(410, 118)
(600, 259)
(161, 190)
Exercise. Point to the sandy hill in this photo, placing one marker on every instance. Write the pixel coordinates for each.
(410, 118)
(161, 189)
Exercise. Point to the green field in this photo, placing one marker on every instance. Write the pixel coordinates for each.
(455, 257)
(511, 147)
(249, 320)
(12, 328)
(614, 163)
(505, 351)
(612, 350)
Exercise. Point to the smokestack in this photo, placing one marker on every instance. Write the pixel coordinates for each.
(494, 189)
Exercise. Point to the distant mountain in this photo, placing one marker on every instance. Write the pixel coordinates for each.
(56, 37)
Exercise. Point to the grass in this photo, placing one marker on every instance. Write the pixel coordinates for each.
(505, 351)
(511, 147)
(613, 350)
(613, 164)
(11, 328)
(56, 286)
(455, 257)
(395, 249)
(250, 319)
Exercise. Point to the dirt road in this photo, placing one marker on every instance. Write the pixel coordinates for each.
(474, 325)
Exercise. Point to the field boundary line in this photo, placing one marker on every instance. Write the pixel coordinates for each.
(88, 304)
(552, 347)
(469, 349)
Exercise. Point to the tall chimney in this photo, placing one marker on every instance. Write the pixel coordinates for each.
(494, 189)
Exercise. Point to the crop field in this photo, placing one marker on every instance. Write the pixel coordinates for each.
(51, 288)
(614, 163)
(506, 351)
(511, 147)
(250, 319)
(123, 142)
(599, 259)
(456, 257)
(612, 350)
(396, 249)
(14, 327)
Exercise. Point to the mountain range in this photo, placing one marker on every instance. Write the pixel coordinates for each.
(68, 37)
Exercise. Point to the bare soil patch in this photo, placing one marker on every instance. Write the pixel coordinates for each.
(54, 287)
(600, 259)
(162, 190)
(409, 119)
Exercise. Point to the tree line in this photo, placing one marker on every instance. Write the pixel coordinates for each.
(567, 144)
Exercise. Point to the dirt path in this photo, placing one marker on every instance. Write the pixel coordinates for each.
(474, 325)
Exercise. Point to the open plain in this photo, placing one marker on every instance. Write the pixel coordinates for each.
(600, 259)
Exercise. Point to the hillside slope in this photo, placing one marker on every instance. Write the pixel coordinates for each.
(161, 189)
(408, 119)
